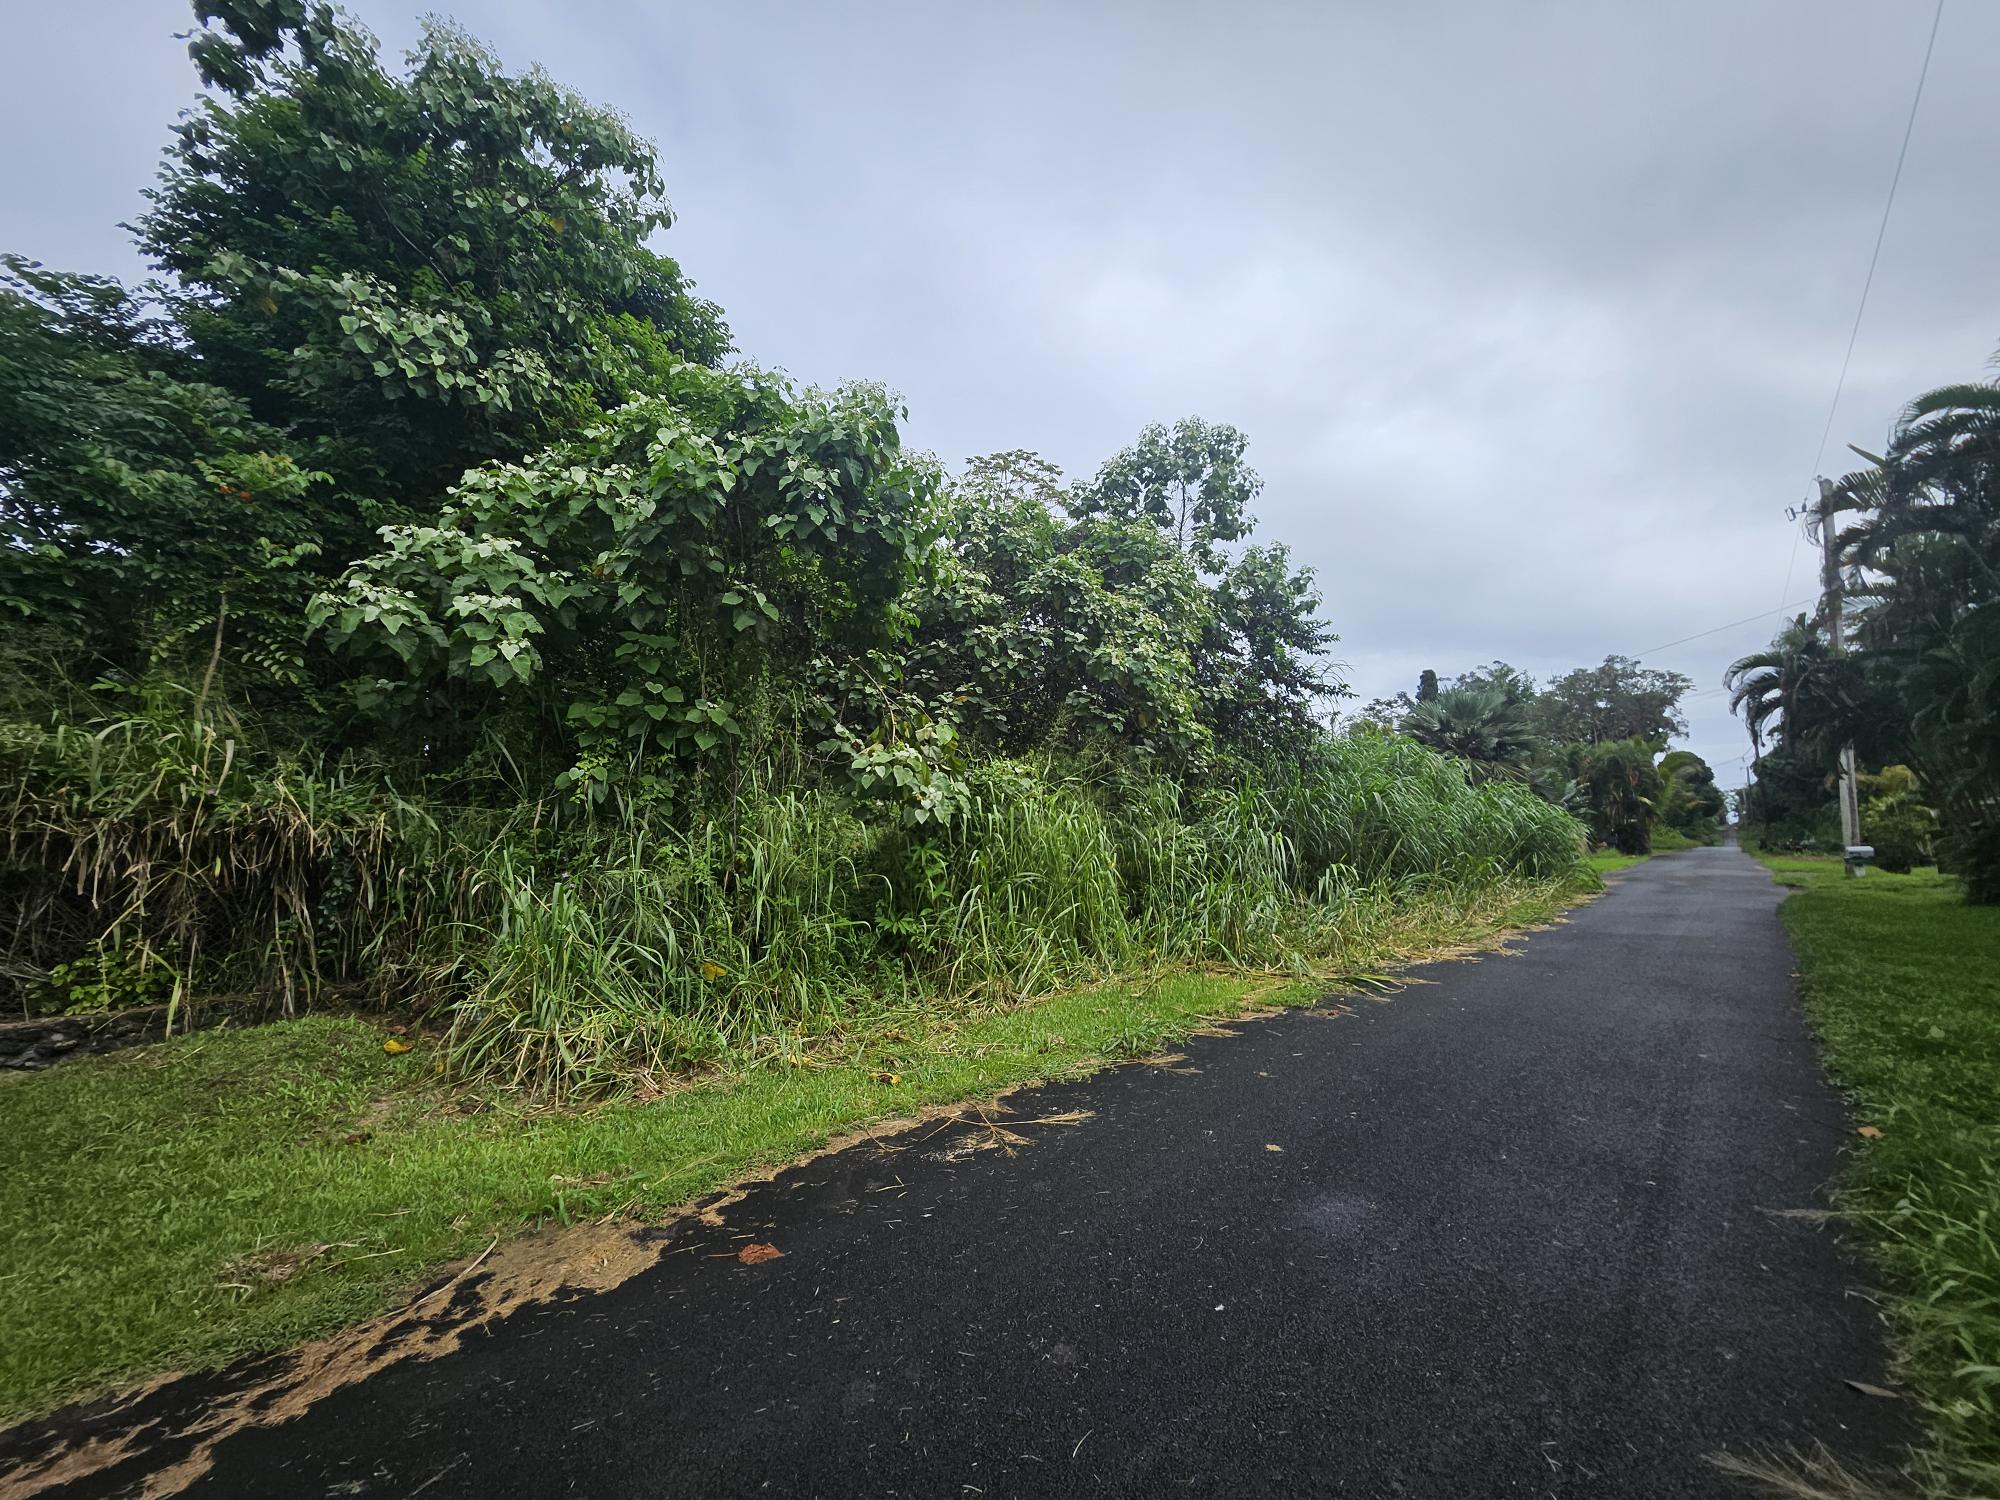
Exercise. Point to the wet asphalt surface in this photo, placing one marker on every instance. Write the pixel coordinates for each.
(1523, 1234)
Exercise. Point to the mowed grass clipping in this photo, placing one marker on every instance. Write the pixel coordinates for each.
(1665, 841)
(1607, 860)
(234, 1192)
(1902, 982)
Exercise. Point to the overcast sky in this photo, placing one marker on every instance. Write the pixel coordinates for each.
(1532, 312)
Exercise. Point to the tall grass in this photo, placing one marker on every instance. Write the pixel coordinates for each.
(161, 838)
(572, 953)
(640, 948)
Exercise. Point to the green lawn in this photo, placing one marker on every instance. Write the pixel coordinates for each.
(234, 1192)
(1902, 982)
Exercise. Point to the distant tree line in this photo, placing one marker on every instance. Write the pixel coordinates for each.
(1593, 740)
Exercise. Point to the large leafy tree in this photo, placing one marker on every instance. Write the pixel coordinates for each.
(379, 280)
(411, 273)
(1510, 682)
(1036, 629)
(1190, 480)
(145, 515)
(1618, 700)
(1094, 627)
(1263, 665)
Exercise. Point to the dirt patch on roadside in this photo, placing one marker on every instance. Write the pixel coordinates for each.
(591, 1258)
(494, 1285)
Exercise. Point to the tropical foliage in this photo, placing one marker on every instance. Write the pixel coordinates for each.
(411, 274)
(1918, 687)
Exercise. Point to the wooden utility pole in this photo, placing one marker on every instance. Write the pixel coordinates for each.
(1831, 586)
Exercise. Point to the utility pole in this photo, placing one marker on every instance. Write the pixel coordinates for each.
(1831, 585)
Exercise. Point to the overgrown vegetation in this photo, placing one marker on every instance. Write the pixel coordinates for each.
(414, 609)
(1902, 982)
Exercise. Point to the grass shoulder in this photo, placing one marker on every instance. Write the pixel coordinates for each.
(1665, 841)
(234, 1192)
(1901, 980)
(1607, 861)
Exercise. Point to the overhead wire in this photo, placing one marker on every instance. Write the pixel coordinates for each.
(1867, 284)
(1847, 358)
(1717, 630)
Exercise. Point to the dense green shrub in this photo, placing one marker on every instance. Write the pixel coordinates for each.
(573, 947)
(1894, 820)
(1621, 788)
(1972, 852)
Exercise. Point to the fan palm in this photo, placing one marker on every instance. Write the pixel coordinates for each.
(1481, 727)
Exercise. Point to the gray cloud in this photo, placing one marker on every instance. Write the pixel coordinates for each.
(1532, 312)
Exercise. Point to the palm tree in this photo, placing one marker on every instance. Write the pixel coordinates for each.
(1920, 543)
(1620, 788)
(1928, 534)
(1941, 475)
(1767, 684)
(1689, 800)
(1480, 727)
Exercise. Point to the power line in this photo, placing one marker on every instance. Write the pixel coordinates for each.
(1881, 231)
(1868, 281)
(1798, 535)
(1699, 634)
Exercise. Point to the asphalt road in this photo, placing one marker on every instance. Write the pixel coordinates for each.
(1523, 1232)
